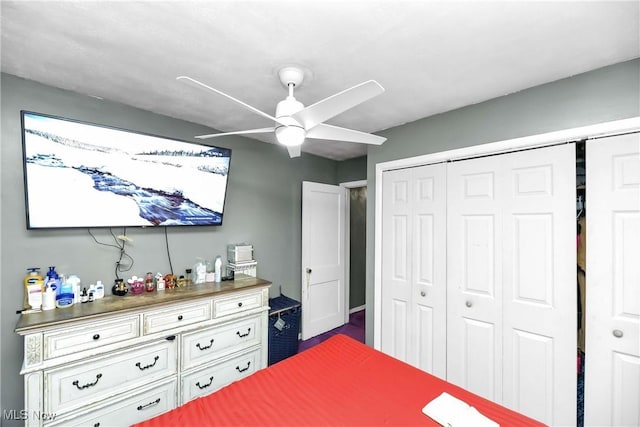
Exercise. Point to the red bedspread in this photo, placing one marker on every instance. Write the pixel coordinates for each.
(340, 382)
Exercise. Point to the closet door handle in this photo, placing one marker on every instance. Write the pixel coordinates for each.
(423, 294)
(617, 333)
(468, 304)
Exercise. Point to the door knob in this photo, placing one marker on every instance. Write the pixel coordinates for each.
(468, 303)
(617, 333)
(423, 294)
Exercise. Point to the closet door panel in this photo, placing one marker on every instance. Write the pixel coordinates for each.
(396, 273)
(539, 294)
(474, 282)
(511, 280)
(612, 360)
(429, 269)
(413, 271)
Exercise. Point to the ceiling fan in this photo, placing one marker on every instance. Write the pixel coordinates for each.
(294, 122)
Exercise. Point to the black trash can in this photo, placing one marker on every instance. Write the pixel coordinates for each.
(284, 326)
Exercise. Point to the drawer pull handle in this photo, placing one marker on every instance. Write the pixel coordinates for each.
(155, 402)
(96, 425)
(202, 387)
(142, 368)
(82, 387)
(180, 317)
(243, 369)
(206, 347)
(244, 335)
(96, 337)
(240, 304)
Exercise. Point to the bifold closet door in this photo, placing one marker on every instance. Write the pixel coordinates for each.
(511, 280)
(612, 353)
(413, 267)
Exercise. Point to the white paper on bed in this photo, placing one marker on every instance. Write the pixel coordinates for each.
(449, 411)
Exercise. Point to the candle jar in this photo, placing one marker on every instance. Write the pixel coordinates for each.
(119, 288)
(170, 281)
(137, 285)
(149, 285)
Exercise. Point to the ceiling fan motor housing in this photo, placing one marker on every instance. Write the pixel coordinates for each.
(293, 133)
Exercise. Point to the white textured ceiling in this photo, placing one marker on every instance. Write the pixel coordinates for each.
(430, 56)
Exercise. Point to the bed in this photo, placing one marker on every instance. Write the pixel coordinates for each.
(340, 382)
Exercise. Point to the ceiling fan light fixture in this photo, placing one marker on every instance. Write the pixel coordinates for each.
(290, 136)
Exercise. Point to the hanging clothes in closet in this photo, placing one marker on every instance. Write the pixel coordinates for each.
(582, 288)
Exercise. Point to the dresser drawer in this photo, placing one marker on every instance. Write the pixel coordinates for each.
(212, 378)
(88, 336)
(176, 317)
(205, 345)
(92, 380)
(144, 404)
(236, 303)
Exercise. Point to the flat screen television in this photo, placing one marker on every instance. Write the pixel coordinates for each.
(84, 175)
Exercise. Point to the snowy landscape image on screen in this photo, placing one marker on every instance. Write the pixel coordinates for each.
(83, 175)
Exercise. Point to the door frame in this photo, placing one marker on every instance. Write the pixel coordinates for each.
(599, 130)
(347, 241)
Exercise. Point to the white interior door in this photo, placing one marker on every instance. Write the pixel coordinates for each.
(612, 354)
(323, 246)
(413, 271)
(511, 263)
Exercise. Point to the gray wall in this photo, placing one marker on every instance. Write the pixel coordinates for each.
(352, 170)
(263, 207)
(607, 94)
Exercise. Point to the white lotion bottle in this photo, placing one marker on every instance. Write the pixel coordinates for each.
(218, 269)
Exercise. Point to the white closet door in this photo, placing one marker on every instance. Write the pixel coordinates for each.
(474, 279)
(539, 293)
(511, 301)
(612, 359)
(413, 271)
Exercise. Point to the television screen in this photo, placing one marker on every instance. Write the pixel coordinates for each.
(86, 175)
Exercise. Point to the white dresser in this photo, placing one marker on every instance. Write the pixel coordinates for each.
(121, 360)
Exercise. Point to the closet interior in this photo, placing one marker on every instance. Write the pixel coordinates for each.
(581, 241)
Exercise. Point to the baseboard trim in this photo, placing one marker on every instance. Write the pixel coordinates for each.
(356, 309)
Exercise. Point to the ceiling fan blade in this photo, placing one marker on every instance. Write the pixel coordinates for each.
(238, 132)
(196, 83)
(335, 133)
(332, 106)
(294, 150)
